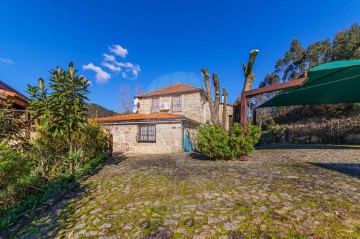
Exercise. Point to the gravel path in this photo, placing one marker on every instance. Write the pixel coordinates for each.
(278, 193)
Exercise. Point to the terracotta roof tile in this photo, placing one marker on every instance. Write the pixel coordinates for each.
(6, 87)
(177, 88)
(131, 117)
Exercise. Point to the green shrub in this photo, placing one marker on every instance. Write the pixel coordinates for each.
(16, 178)
(213, 142)
(216, 143)
(92, 139)
(51, 152)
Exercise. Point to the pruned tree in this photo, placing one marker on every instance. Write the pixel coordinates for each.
(223, 125)
(249, 80)
(217, 98)
(214, 106)
(249, 75)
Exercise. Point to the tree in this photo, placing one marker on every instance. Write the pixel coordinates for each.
(139, 89)
(296, 60)
(62, 111)
(346, 44)
(214, 105)
(125, 98)
(293, 64)
(223, 125)
(249, 80)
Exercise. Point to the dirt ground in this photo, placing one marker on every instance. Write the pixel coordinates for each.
(282, 192)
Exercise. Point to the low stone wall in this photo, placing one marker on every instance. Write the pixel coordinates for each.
(169, 139)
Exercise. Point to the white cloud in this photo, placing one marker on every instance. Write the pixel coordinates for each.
(111, 66)
(118, 50)
(127, 70)
(6, 60)
(108, 57)
(101, 75)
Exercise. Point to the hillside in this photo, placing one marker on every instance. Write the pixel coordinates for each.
(96, 111)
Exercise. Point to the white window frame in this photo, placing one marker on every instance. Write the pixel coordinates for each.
(176, 107)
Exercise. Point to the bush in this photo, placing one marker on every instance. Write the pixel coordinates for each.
(213, 142)
(218, 144)
(51, 152)
(16, 178)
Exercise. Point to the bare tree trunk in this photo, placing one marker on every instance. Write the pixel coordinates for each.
(249, 75)
(224, 109)
(125, 98)
(249, 80)
(208, 91)
(215, 116)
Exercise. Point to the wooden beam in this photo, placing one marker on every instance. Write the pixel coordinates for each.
(248, 94)
(275, 87)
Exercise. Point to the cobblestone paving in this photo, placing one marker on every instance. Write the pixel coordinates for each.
(278, 193)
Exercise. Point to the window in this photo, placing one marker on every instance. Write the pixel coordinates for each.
(155, 105)
(176, 104)
(147, 133)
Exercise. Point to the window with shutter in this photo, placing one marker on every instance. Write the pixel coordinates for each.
(176, 104)
(155, 106)
(147, 133)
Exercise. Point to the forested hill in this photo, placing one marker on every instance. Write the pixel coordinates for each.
(97, 111)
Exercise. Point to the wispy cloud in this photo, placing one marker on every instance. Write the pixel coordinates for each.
(6, 60)
(126, 70)
(108, 57)
(111, 66)
(101, 76)
(118, 50)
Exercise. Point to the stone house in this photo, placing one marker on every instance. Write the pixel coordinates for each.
(163, 120)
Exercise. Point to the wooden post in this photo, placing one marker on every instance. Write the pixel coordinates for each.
(248, 94)
(254, 117)
(243, 113)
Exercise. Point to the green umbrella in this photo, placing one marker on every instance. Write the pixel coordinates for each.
(330, 83)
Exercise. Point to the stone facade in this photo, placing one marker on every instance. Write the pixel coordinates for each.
(193, 106)
(169, 139)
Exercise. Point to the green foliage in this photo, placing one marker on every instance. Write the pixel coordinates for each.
(216, 143)
(12, 126)
(50, 152)
(345, 46)
(12, 166)
(213, 142)
(62, 111)
(65, 147)
(91, 139)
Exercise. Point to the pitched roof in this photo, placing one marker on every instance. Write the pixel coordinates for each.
(177, 88)
(5, 87)
(139, 117)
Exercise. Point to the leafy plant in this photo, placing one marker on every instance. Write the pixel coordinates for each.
(12, 126)
(62, 111)
(213, 142)
(216, 143)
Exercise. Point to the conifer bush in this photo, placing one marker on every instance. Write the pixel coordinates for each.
(218, 144)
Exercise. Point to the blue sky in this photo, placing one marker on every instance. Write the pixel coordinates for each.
(147, 39)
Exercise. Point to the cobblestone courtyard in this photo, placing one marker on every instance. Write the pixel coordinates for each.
(278, 193)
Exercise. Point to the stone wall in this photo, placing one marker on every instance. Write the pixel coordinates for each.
(169, 139)
(193, 106)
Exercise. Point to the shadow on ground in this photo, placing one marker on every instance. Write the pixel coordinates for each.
(350, 169)
(306, 146)
(69, 199)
